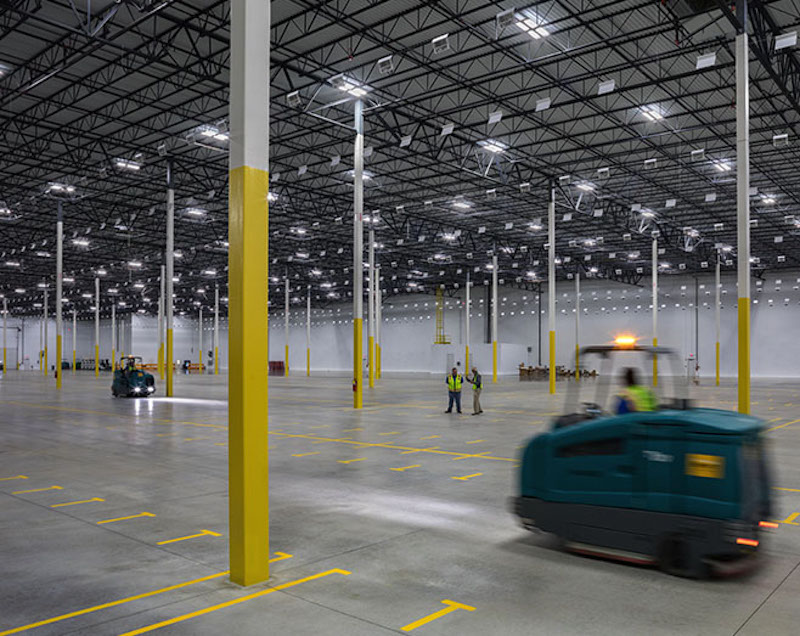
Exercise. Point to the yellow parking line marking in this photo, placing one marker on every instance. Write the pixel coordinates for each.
(141, 514)
(431, 437)
(419, 450)
(400, 470)
(390, 433)
(790, 520)
(213, 608)
(306, 454)
(466, 477)
(346, 430)
(202, 533)
(75, 503)
(394, 446)
(221, 444)
(452, 606)
(16, 477)
(775, 428)
(25, 492)
(465, 456)
(350, 461)
(128, 599)
(476, 441)
(786, 489)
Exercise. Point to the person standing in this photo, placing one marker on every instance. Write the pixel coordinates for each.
(454, 390)
(477, 386)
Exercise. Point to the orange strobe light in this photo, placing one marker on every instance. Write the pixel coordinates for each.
(625, 341)
(767, 524)
(750, 542)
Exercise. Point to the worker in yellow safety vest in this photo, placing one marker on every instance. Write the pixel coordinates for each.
(635, 397)
(454, 390)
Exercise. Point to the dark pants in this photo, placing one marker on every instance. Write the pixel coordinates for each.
(455, 396)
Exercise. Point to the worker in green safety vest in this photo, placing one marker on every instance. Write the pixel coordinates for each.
(477, 387)
(635, 397)
(454, 390)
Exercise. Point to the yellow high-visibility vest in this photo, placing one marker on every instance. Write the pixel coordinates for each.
(454, 383)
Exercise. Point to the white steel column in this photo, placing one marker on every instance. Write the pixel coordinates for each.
(308, 332)
(371, 304)
(466, 324)
(551, 285)
(74, 339)
(200, 337)
(96, 327)
(160, 355)
(5, 317)
(577, 326)
(41, 345)
(655, 309)
(378, 318)
(170, 274)
(216, 329)
(495, 303)
(743, 205)
(287, 291)
(717, 321)
(358, 257)
(114, 334)
(46, 348)
(59, 291)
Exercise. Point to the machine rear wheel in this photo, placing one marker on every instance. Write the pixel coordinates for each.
(677, 557)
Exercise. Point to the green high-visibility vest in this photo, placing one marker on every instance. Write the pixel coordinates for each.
(454, 383)
(643, 398)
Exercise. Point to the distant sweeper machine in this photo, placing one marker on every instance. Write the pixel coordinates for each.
(645, 477)
(130, 380)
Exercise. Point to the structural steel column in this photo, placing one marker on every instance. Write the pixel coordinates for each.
(551, 285)
(46, 361)
(248, 282)
(717, 320)
(495, 304)
(655, 309)
(358, 257)
(170, 274)
(378, 318)
(59, 292)
(371, 305)
(216, 329)
(577, 327)
(200, 337)
(286, 324)
(308, 333)
(96, 327)
(74, 339)
(161, 325)
(466, 324)
(743, 205)
(114, 334)
(41, 345)
(5, 315)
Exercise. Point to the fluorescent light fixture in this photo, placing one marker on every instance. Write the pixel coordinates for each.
(81, 242)
(349, 86)
(722, 166)
(302, 254)
(196, 212)
(768, 200)
(785, 40)
(670, 203)
(543, 104)
(366, 175)
(68, 279)
(493, 146)
(316, 272)
(441, 43)
(705, 61)
(386, 65)
(210, 272)
(405, 141)
(648, 214)
(293, 99)
(86, 295)
(60, 188)
(138, 285)
(495, 117)
(606, 87)
(532, 27)
(781, 140)
(447, 129)
(535, 226)
(127, 164)
(586, 187)
(101, 272)
(19, 290)
(43, 254)
(652, 113)
(461, 204)
(112, 290)
(134, 264)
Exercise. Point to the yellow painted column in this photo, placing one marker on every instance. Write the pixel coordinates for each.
(378, 351)
(495, 311)
(216, 360)
(169, 365)
(466, 358)
(358, 356)
(161, 361)
(113, 360)
(58, 361)
(74, 359)
(286, 358)
(371, 360)
(744, 355)
(718, 364)
(96, 361)
(578, 363)
(248, 282)
(494, 362)
(308, 362)
(551, 284)
(358, 257)
(655, 364)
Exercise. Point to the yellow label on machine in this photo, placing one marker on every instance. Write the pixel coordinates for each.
(712, 466)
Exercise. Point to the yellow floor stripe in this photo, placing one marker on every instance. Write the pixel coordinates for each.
(15, 477)
(75, 503)
(451, 607)
(775, 428)
(25, 492)
(243, 599)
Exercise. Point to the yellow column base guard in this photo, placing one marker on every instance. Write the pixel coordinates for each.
(744, 356)
(655, 364)
(161, 361)
(494, 362)
(308, 362)
(216, 360)
(74, 360)
(113, 360)
(371, 360)
(552, 363)
(358, 354)
(4, 361)
(466, 358)
(97, 361)
(379, 366)
(286, 354)
(577, 363)
(718, 364)
(58, 361)
(169, 363)
(46, 362)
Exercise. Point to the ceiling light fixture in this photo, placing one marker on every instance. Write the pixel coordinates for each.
(532, 27)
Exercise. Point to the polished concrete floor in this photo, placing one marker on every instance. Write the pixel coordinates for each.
(113, 519)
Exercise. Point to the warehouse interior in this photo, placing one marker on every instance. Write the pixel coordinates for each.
(243, 244)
